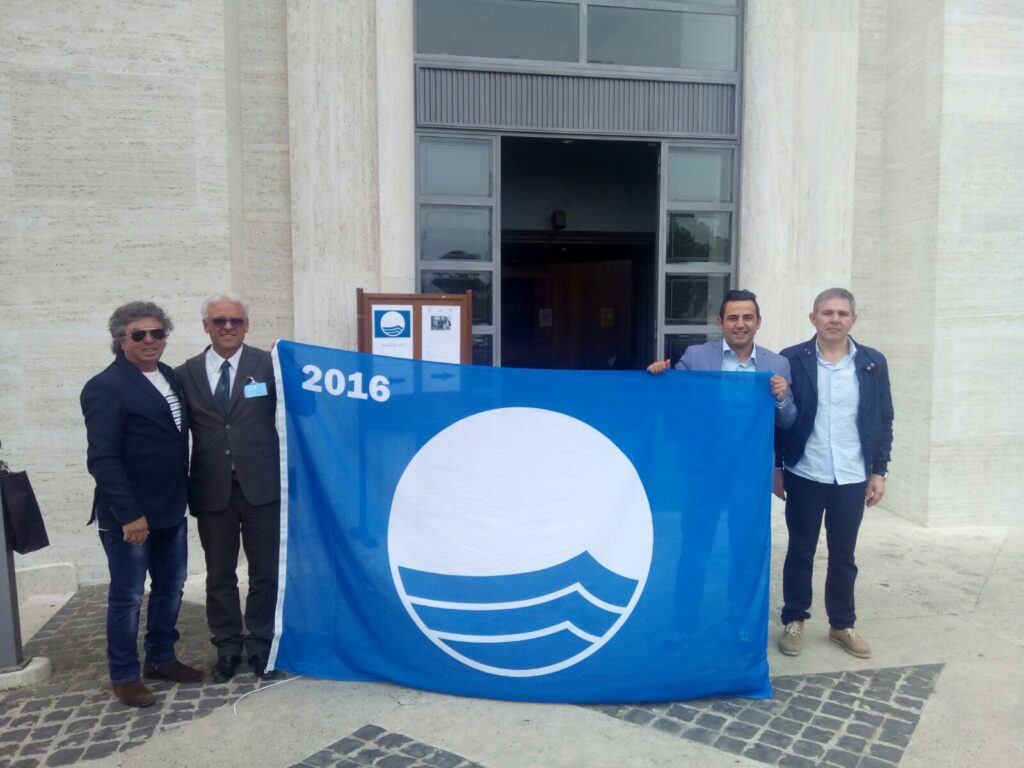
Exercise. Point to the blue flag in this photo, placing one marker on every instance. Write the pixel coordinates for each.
(570, 536)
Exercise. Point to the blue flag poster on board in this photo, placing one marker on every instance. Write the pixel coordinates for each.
(567, 536)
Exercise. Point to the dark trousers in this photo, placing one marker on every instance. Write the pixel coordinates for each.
(164, 556)
(258, 530)
(843, 508)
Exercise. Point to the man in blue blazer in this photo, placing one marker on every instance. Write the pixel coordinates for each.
(739, 317)
(136, 422)
(832, 462)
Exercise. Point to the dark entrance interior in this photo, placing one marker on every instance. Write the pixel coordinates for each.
(578, 244)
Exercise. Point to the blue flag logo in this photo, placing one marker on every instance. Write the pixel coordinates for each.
(392, 323)
(545, 568)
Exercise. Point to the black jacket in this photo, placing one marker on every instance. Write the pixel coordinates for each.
(136, 453)
(874, 411)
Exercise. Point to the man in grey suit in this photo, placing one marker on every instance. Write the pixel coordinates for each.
(235, 487)
(739, 317)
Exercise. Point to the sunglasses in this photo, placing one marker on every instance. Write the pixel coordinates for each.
(220, 322)
(157, 334)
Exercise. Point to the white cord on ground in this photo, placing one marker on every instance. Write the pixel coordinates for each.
(234, 707)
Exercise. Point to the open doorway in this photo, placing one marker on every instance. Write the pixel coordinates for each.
(579, 222)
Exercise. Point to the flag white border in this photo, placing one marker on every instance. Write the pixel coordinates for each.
(282, 557)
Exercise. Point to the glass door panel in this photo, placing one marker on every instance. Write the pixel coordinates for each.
(697, 241)
(458, 246)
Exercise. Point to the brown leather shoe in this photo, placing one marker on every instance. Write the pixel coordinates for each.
(176, 672)
(134, 694)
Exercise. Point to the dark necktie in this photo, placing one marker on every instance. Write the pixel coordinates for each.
(222, 394)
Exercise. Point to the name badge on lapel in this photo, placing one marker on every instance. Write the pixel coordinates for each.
(255, 389)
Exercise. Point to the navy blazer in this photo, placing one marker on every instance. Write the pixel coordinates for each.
(708, 357)
(874, 410)
(137, 455)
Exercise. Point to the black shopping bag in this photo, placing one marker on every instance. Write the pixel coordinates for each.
(22, 519)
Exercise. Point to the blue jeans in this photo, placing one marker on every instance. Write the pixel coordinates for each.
(165, 557)
(843, 509)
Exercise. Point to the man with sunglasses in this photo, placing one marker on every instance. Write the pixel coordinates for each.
(136, 422)
(235, 483)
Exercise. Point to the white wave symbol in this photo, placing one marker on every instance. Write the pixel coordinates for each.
(552, 629)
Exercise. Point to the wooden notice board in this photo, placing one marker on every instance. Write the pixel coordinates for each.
(417, 326)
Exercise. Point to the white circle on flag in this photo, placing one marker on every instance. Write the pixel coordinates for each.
(520, 540)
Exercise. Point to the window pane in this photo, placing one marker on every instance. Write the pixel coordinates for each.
(460, 282)
(676, 343)
(650, 38)
(633, 36)
(483, 349)
(455, 166)
(698, 237)
(694, 299)
(699, 175)
(504, 29)
(708, 41)
(455, 232)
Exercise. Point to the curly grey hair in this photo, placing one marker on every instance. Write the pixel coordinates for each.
(129, 313)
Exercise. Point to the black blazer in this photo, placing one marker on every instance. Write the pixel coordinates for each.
(136, 454)
(245, 437)
(874, 408)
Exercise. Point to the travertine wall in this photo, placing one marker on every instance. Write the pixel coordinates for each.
(261, 257)
(937, 257)
(895, 268)
(132, 165)
(977, 408)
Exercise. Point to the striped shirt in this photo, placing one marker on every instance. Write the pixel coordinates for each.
(163, 386)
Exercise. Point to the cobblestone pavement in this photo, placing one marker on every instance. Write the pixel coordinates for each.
(862, 719)
(858, 719)
(372, 745)
(74, 716)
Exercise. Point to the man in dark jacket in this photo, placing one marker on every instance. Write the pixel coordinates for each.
(235, 488)
(833, 460)
(137, 427)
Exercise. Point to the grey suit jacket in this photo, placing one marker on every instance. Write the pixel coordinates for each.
(246, 436)
(708, 357)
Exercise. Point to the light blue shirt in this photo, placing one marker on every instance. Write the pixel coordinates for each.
(833, 453)
(731, 361)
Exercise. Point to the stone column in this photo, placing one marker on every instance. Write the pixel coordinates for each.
(797, 165)
(349, 64)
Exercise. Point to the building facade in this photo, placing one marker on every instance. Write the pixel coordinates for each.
(598, 171)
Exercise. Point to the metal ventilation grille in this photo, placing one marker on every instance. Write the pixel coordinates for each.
(459, 98)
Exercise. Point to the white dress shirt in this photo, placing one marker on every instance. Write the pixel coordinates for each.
(213, 364)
